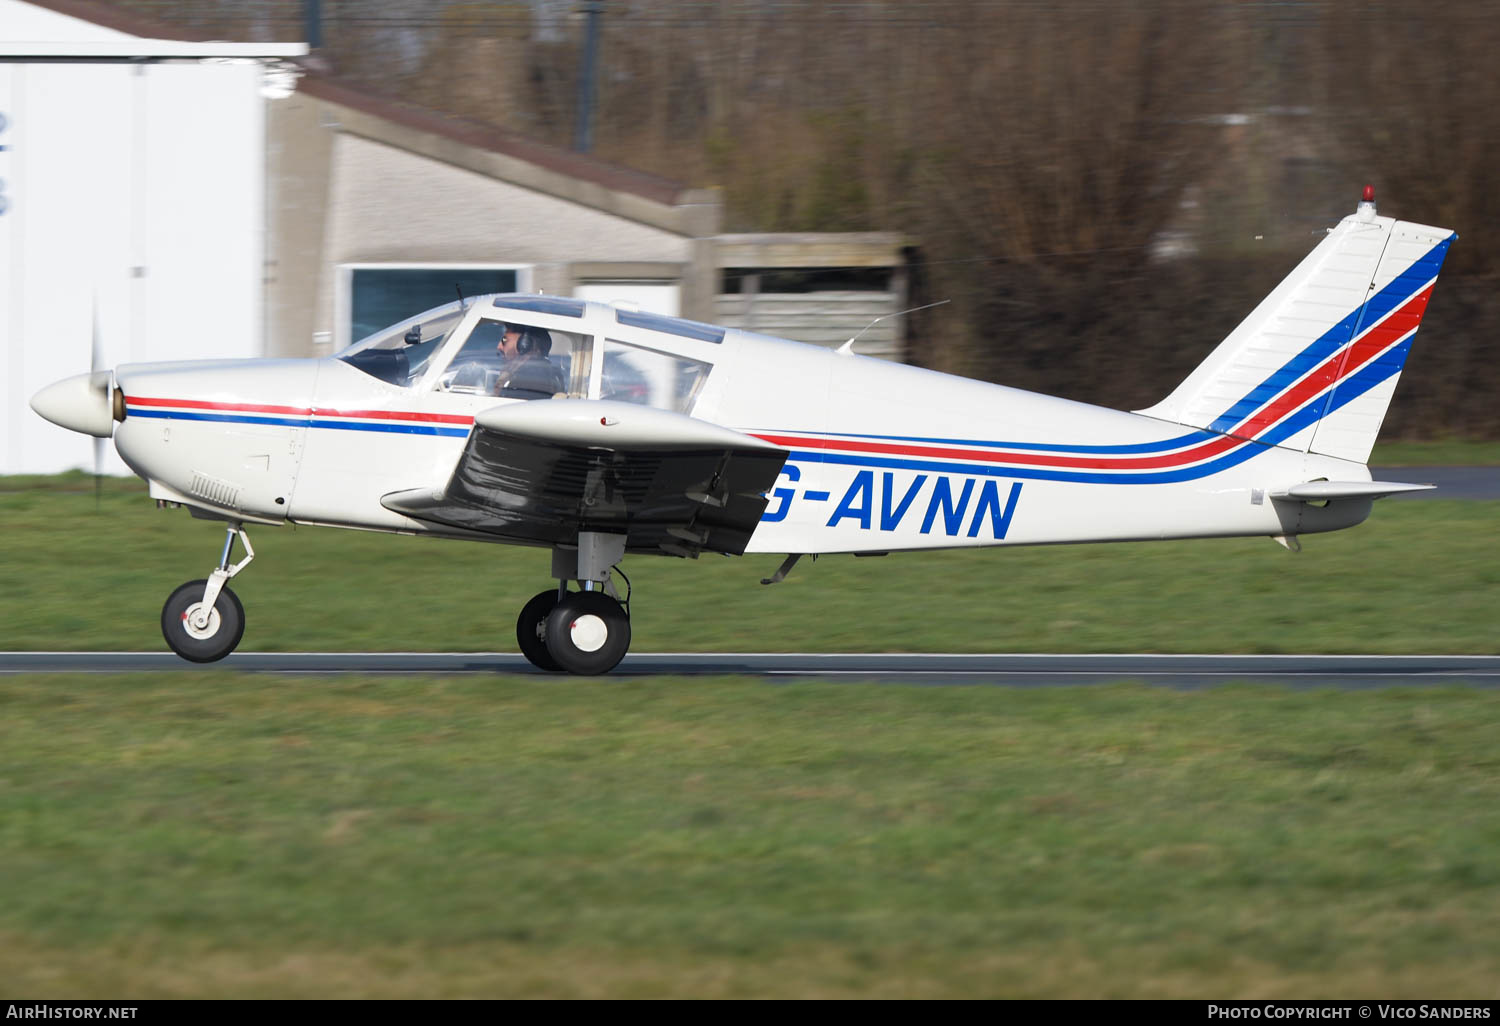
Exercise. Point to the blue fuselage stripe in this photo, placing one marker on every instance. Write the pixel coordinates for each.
(1135, 448)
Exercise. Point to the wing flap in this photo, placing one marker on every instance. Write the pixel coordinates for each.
(668, 482)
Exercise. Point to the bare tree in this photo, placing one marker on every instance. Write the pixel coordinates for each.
(1414, 106)
(1036, 153)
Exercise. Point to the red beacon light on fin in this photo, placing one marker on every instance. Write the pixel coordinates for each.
(1369, 194)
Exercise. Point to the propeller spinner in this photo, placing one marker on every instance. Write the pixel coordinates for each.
(87, 403)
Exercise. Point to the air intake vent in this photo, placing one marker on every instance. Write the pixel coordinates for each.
(220, 493)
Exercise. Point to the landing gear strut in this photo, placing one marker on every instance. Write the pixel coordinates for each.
(203, 620)
(584, 631)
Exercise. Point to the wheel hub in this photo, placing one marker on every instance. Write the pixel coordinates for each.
(589, 633)
(197, 625)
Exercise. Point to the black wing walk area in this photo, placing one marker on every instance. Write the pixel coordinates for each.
(540, 472)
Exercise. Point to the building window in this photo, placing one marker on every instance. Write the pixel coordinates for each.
(375, 296)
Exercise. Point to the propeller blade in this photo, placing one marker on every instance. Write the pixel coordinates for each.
(95, 347)
(95, 358)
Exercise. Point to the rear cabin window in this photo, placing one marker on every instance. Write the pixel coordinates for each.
(635, 374)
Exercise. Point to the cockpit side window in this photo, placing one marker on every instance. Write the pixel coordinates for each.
(475, 368)
(536, 363)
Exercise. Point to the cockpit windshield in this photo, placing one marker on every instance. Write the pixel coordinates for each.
(399, 354)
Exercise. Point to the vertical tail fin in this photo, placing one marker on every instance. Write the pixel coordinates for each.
(1314, 365)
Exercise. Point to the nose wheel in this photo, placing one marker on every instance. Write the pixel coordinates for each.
(202, 634)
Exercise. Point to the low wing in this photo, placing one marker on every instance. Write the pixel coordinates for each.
(542, 471)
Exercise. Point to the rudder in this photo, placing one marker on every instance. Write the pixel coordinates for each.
(1367, 373)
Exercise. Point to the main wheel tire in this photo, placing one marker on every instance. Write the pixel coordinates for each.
(531, 630)
(588, 632)
(226, 624)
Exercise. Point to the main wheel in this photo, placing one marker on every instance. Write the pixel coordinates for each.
(226, 624)
(531, 630)
(588, 632)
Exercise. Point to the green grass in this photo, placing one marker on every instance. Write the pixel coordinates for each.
(1417, 577)
(219, 835)
(212, 834)
(1454, 452)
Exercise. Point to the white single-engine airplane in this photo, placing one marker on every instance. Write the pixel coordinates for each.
(632, 432)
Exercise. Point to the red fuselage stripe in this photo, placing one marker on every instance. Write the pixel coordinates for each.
(301, 411)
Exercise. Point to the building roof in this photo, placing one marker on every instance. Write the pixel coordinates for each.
(152, 49)
(111, 17)
(494, 140)
(598, 183)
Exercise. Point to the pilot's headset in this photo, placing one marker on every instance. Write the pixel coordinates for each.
(533, 340)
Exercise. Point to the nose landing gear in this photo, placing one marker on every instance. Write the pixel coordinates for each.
(203, 620)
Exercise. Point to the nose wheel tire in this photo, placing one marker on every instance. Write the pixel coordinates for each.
(531, 630)
(207, 643)
(588, 632)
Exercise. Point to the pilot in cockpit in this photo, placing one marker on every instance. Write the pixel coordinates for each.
(529, 372)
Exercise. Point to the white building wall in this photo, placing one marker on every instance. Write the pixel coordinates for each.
(389, 205)
(132, 219)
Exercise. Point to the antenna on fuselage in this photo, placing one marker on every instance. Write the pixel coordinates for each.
(848, 347)
(459, 289)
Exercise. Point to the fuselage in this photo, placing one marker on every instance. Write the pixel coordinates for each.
(882, 456)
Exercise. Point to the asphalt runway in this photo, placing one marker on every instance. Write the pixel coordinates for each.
(1029, 670)
(1034, 670)
(1452, 482)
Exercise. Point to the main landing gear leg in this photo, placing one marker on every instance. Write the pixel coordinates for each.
(203, 620)
(584, 631)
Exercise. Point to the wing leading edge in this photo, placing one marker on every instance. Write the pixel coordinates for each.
(541, 472)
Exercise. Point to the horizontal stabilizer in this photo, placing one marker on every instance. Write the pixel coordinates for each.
(1320, 491)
